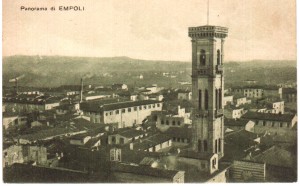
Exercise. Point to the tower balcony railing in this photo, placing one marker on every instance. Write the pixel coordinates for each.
(200, 113)
(202, 70)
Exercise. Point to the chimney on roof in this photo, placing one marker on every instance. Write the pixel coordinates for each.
(81, 90)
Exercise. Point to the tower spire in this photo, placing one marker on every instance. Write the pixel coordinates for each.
(207, 12)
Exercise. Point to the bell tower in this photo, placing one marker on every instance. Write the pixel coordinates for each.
(208, 88)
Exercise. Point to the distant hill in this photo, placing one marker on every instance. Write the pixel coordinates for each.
(51, 71)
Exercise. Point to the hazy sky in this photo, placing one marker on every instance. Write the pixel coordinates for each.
(149, 29)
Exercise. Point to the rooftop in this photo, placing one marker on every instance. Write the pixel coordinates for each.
(129, 132)
(99, 106)
(277, 156)
(143, 170)
(180, 132)
(234, 122)
(268, 116)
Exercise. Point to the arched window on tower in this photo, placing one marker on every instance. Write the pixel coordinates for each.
(200, 100)
(220, 99)
(202, 58)
(218, 57)
(206, 100)
(205, 145)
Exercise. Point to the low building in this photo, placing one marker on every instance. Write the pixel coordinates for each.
(119, 86)
(165, 119)
(227, 100)
(24, 154)
(233, 112)
(184, 95)
(29, 103)
(88, 97)
(249, 91)
(281, 164)
(13, 119)
(67, 108)
(289, 95)
(154, 143)
(273, 123)
(79, 139)
(239, 144)
(273, 107)
(126, 114)
(125, 135)
(239, 124)
(241, 100)
(180, 136)
(127, 173)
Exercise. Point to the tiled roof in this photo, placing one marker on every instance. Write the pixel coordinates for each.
(31, 99)
(268, 116)
(47, 133)
(151, 141)
(129, 133)
(277, 156)
(289, 91)
(180, 132)
(144, 170)
(194, 155)
(234, 122)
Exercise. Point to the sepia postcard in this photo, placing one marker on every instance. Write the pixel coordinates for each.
(149, 91)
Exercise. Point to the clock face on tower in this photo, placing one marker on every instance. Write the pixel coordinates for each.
(247, 175)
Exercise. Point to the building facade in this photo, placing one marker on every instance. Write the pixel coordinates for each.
(125, 114)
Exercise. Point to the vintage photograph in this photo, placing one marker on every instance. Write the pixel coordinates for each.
(149, 91)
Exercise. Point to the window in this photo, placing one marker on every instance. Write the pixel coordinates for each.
(202, 58)
(178, 123)
(153, 106)
(129, 109)
(273, 123)
(110, 113)
(113, 139)
(117, 111)
(205, 145)
(106, 114)
(140, 107)
(123, 110)
(216, 146)
(218, 57)
(220, 143)
(206, 100)
(200, 100)
(145, 107)
(167, 122)
(173, 123)
(158, 105)
(121, 140)
(264, 123)
(135, 108)
(280, 124)
(162, 122)
(149, 106)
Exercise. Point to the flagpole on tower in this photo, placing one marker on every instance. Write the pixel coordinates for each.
(207, 12)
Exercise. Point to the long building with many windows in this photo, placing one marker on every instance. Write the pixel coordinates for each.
(125, 114)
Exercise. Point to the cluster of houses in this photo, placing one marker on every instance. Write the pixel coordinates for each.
(137, 131)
